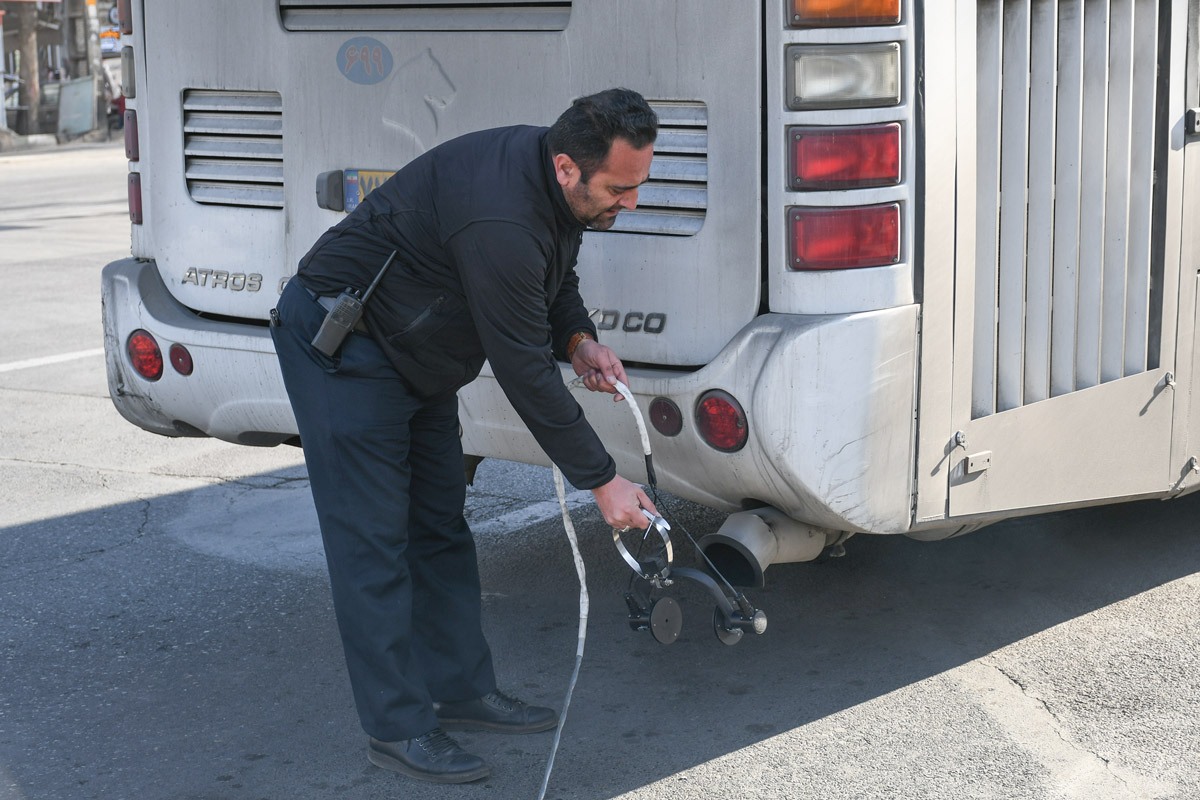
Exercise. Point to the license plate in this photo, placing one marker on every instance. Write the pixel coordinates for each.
(358, 183)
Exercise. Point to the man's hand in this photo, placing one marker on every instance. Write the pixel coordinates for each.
(599, 367)
(621, 502)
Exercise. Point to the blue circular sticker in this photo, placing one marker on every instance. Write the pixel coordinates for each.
(364, 60)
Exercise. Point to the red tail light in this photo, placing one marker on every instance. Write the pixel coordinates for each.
(844, 158)
(721, 421)
(135, 198)
(844, 238)
(144, 355)
(125, 14)
(131, 135)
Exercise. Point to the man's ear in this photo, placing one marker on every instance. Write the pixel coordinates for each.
(566, 170)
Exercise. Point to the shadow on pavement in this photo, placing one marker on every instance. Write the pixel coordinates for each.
(137, 664)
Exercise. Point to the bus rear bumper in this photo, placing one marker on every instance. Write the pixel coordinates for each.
(830, 408)
(235, 391)
(829, 401)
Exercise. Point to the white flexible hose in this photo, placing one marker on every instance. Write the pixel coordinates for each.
(633, 406)
(561, 490)
(637, 415)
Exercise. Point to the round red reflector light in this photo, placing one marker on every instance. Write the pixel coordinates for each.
(665, 416)
(144, 355)
(721, 421)
(181, 359)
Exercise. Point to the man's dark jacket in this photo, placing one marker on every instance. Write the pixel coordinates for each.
(486, 247)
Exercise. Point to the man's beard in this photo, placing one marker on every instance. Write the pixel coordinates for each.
(602, 221)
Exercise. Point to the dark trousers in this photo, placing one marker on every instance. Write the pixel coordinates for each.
(386, 471)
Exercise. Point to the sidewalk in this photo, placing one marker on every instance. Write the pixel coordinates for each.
(12, 143)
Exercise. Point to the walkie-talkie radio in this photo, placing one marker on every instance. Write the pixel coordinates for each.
(346, 312)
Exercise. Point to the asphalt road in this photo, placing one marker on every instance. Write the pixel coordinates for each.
(166, 630)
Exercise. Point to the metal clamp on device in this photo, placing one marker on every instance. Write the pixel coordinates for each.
(656, 568)
(662, 615)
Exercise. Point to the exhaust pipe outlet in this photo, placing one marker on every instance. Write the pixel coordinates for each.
(750, 541)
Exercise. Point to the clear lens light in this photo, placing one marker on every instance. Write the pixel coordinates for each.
(128, 81)
(844, 76)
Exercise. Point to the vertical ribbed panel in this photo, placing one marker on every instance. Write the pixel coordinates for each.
(1066, 97)
(1141, 191)
(1116, 192)
(987, 206)
(1043, 39)
(1068, 147)
(1014, 178)
(1091, 193)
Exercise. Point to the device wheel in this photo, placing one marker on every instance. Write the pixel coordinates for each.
(729, 636)
(666, 620)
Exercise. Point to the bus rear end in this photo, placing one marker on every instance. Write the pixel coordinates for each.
(761, 294)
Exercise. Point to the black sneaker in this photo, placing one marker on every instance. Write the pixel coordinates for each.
(497, 712)
(432, 757)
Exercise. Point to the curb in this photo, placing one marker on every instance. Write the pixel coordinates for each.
(12, 143)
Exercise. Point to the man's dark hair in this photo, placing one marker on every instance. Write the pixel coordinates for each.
(586, 130)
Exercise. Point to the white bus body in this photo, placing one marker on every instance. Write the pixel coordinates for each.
(1020, 339)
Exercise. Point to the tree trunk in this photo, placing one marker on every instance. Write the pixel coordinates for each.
(30, 95)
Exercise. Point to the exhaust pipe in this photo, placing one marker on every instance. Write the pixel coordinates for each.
(750, 541)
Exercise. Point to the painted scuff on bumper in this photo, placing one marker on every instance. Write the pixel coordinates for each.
(830, 407)
(235, 392)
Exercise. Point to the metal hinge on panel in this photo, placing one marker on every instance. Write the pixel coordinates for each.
(1192, 122)
(1191, 467)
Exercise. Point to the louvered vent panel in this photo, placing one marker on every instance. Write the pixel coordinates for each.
(674, 201)
(1065, 280)
(233, 147)
(424, 15)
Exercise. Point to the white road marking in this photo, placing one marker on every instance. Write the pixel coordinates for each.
(531, 514)
(30, 363)
(1074, 771)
